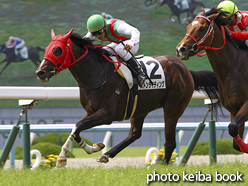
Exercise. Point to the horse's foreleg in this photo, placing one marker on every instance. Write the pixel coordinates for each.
(61, 160)
(6, 65)
(3, 61)
(74, 135)
(134, 134)
(91, 149)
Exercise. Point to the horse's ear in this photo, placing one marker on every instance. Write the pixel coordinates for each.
(212, 17)
(52, 34)
(68, 35)
(203, 12)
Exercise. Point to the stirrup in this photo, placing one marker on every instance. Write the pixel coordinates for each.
(141, 79)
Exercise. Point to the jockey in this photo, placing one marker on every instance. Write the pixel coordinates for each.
(16, 43)
(106, 16)
(239, 26)
(113, 30)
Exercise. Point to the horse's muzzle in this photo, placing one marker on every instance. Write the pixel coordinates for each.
(41, 76)
(182, 53)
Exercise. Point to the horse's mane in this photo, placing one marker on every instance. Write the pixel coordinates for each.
(81, 42)
(220, 19)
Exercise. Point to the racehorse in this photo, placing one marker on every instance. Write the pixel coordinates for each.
(176, 11)
(103, 93)
(229, 63)
(33, 55)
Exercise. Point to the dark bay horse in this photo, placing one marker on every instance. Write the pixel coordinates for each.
(33, 55)
(176, 11)
(103, 93)
(229, 64)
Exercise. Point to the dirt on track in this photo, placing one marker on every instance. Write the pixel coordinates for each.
(138, 161)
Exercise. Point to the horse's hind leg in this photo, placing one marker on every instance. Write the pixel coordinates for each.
(170, 144)
(134, 134)
(173, 109)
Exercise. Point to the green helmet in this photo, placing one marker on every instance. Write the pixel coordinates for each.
(95, 22)
(228, 6)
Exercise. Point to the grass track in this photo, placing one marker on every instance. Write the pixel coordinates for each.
(129, 176)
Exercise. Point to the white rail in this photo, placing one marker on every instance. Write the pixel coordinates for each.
(51, 93)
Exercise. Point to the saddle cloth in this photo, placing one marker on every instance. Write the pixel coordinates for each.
(24, 52)
(184, 5)
(152, 68)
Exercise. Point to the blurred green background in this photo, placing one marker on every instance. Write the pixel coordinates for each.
(33, 20)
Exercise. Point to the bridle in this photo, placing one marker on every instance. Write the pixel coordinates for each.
(210, 32)
(59, 66)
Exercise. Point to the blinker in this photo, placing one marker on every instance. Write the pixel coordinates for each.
(64, 42)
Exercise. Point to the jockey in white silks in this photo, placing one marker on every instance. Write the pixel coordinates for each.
(114, 30)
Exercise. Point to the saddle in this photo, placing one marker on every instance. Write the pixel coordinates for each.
(154, 71)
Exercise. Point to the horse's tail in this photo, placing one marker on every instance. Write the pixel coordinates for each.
(206, 81)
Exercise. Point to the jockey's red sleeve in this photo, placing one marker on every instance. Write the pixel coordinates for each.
(240, 35)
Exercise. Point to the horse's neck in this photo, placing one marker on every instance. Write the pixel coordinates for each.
(89, 72)
(223, 61)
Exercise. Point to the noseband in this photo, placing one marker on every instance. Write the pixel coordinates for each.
(210, 32)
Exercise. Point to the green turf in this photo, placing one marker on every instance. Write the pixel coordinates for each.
(128, 176)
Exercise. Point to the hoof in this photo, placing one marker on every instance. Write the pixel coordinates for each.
(98, 146)
(103, 159)
(61, 162)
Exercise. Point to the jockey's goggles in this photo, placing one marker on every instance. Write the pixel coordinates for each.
(99, 32)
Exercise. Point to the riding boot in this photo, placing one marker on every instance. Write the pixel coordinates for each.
(141, 76)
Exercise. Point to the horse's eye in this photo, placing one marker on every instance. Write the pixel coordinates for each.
(57, 51)
(201, 29)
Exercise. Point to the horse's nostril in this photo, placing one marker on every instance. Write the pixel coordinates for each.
(40, 73)
(182, 50)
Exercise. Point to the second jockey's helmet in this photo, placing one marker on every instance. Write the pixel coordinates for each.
(95, 23)
(228, 6)
(11, 37)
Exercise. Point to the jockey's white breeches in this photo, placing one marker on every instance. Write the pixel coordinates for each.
(19, 46)
(121, 52)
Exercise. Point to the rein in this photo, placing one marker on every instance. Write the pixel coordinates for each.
(209, 32)
(64, 66)
(118, 60)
